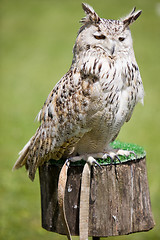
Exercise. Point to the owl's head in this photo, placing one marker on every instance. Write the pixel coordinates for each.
(113, 36)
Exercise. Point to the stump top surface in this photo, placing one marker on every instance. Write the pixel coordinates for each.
(138, 150)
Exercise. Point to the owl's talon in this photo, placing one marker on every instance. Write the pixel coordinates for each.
(132, 152)
(116, 156)
(67, 162)
(111, 156)
(112, 160)
(92, 161)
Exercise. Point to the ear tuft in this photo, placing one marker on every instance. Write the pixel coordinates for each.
(131, 17)
(133, 10)
(91, 15)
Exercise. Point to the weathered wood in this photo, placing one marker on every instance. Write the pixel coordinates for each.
(119, 199)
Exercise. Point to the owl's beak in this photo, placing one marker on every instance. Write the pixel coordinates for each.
(110, 47)
(113, 50)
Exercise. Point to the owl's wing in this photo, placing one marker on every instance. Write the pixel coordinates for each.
(66, 110)
(63, 122)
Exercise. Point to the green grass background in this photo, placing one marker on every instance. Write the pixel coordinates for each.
(36, 40)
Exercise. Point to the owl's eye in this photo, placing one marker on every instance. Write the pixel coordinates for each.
(121, 39)
(99, 36)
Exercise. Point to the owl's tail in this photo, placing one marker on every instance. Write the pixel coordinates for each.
(35, 152)
(25, 155)
(21, 161)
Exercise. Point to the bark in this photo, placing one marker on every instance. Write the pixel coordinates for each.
(119, 199)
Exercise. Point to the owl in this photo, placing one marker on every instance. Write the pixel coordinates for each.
(86, 109)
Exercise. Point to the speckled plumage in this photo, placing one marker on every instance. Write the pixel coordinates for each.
(87, 108)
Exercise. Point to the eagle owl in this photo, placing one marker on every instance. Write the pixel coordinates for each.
(88, 106)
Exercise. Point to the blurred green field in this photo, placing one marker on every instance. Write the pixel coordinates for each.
(36, 40)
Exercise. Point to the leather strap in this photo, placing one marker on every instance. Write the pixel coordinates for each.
(61, 196)
(84, 202)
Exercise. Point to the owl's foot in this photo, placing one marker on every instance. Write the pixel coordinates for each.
(113, 155)
(92, 161)
(125, 153)
(87, 157)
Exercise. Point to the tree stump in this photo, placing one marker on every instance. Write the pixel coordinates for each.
(119, 198)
